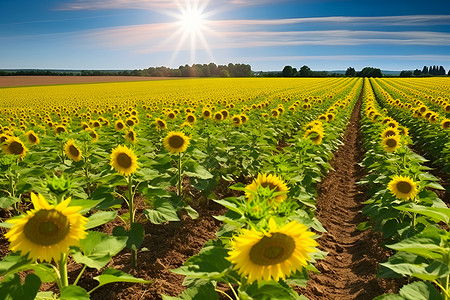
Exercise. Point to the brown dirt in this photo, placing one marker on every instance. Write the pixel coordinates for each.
(348, 272)
(10, 81)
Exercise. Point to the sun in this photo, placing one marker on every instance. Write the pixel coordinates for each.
(192, 20)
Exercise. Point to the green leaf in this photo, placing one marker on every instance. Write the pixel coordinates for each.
(300, 278)
(100, 218)
(268, 290)
(97, 249)
(211, 263)
(163, 211)
(425, 244)
(199, 172)
(46, 296)
(8, 201)
(11, 287)
(135, 235)
(45, 272)
(389, 297)
(111, 275)
(420, 291)
(191, 212)
(13, 262)
(436, 213)
(201, 292)
(73, 292)
(363, 226)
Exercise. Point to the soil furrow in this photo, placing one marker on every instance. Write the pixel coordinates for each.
(348, 272)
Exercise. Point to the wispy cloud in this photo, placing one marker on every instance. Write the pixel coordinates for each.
(423, 57)
(157, 4)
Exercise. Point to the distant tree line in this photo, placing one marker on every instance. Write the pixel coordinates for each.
(305, 71)
(426, 71)
(196, 70)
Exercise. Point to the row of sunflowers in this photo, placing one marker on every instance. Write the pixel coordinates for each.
(403, 205)
(74, 156)
(264, 246)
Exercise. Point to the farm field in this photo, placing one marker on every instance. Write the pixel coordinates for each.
(8, 81)
(329, 188)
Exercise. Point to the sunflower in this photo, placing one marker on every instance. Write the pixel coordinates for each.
(160, 124)
(191, 118)
(445, 124)
(93, 134)
(176, 142)
(218, 116)
(124, 160)
(13, 145)
(403, 187)
(119, 125)
(131, 136)
(244, 118)
(47, 230)
(315, 134)
(391, 143)
(60, 129)
(225, 113)
(171, 115)
(72, 150)
(129, 122)
(32, 137)
(236, 119)
(389, 131)
(275, 254)
(206, 113)
(273, 182)
(330, 117)
(275, 113)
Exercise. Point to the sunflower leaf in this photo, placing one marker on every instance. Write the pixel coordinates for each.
(164, 211)
(100, 218)
(135, 235)
(6, 202)
(205, 291)
(111, 275)
(97, 248)
(73, 292)
(11, 287)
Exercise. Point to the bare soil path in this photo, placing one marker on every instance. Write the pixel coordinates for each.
(348, 272)
(11, 81)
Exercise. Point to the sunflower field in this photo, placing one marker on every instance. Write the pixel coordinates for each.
(88, 170)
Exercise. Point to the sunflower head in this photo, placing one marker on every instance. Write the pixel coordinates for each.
(314, 134)
(265, 186)
(176, 142)
(47, 231)
(72, 150)
(191, 118)
(131, 136)
(32, 138)
(13, 145)
(403, 187)
(445, 124)
(124, 161)
(218, 116)
(160, 124)
(391, 143)
(244, 118)
(389, 131)
(60, 129)
(236, 120)
(206, 113)
(273, 254)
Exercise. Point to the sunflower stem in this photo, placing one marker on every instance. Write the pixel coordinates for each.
(179, 174)
(223, 293)
(63, 270)
(131, 208)
(232, 289)
(79, 275)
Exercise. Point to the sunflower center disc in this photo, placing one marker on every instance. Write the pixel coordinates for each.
(176, 141)
(47, 227)
(32, 138)
(16, 148)
(119, 125)
(124, 160)
(161, 124)
(391, 143)
(446, 125)
(404, 187)
(272, 250)
(389, 133)
(190, 119)
(270, 185)
(74, 151)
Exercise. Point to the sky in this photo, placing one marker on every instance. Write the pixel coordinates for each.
(268, 35)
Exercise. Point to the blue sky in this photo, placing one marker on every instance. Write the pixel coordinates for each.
(137, 34)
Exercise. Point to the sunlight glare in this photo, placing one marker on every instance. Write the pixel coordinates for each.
(192, 21)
